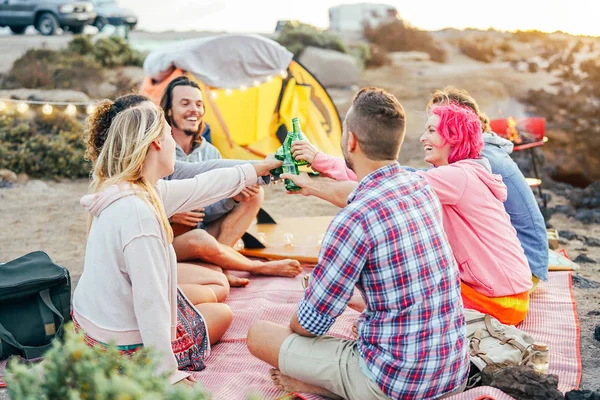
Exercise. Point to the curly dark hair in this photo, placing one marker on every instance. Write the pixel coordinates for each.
(100, 120)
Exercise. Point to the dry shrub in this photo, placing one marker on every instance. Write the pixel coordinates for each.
(506, 46)
(480, 51)
(377, 57)
(529, 36)
(401, 36)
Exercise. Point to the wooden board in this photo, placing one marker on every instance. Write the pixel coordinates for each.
(303, 245)
(558, 262)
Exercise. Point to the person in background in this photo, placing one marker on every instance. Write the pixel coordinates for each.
(208, 234)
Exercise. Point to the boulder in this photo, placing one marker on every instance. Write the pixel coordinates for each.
(44, 95)
(332, 68)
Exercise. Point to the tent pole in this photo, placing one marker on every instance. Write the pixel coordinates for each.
(218, 115)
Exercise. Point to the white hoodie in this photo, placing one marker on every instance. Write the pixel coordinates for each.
(128, 290)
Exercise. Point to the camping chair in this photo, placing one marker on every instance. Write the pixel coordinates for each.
(527, 134)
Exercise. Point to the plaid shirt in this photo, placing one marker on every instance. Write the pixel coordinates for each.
(390, 243)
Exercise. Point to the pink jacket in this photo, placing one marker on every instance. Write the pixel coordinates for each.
(485, 244)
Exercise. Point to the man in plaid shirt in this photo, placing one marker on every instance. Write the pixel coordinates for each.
(388, 242)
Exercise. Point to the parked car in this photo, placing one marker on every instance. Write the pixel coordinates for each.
(109, 12)
(46, 15)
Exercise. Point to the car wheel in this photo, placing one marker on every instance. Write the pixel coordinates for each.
(76, 30)
(18, 30)
(46, 24)
(100, 23)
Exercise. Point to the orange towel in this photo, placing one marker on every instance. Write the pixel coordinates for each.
(510, 310)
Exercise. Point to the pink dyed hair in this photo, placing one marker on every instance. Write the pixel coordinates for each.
(461, 128)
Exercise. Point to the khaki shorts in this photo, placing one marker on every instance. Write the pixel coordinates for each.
(329, 363)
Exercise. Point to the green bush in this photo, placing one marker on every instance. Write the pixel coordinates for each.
(297, 37)
(45, 146)
(112, 51)
(73, 370)
(79, 64)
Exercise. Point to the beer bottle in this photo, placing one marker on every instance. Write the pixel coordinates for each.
(298, 135)
(289, 164)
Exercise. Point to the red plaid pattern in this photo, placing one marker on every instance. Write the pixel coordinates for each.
(389, 242)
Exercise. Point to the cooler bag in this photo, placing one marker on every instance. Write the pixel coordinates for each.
(35, 304)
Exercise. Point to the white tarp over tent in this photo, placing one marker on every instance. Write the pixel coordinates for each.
(249, 57)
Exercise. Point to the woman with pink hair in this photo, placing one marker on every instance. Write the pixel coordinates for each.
(493, 268)
(495, 275)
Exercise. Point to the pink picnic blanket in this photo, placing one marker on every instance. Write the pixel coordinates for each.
(233, 373)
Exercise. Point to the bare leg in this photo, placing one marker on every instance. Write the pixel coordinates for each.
(289, 384)
(265, 339)
(197, 283)
(199, 244)
(218, 319)
(264, 342)
(231, 227)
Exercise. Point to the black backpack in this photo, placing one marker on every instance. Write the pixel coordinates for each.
(35, 304)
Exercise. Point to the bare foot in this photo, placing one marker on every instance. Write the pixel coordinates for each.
(287, 268)
(287, 384)
(236, 281)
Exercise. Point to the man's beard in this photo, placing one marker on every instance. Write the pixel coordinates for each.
(187, 132)
(348, 162)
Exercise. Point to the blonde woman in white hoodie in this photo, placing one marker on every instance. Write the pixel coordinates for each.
(128, 290)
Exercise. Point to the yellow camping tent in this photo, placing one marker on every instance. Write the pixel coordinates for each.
(253, 88)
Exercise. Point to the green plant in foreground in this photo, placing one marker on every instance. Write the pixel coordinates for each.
(73, 370)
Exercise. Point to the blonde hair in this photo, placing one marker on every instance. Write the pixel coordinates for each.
(123, 154)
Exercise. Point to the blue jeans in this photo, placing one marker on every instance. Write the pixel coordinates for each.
(521, 205)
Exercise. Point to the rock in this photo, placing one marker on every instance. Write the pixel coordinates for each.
(568, 235)
(37, 186)
(563, 209)
(588, 216)
(584, 283)
(44, 95)
(593, 312)
(583, 258)
(582, 395)
(7, 175)
(597, 333)
(100, 91)
(590, 241)
(22, 178)
(522, 383)
(332, 68)
(5, 185)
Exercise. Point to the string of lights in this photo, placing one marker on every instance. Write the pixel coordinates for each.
(71, 107)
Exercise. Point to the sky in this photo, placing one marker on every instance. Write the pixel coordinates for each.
(572, 16)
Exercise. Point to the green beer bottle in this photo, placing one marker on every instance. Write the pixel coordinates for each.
(290, 166)
(298, 135)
